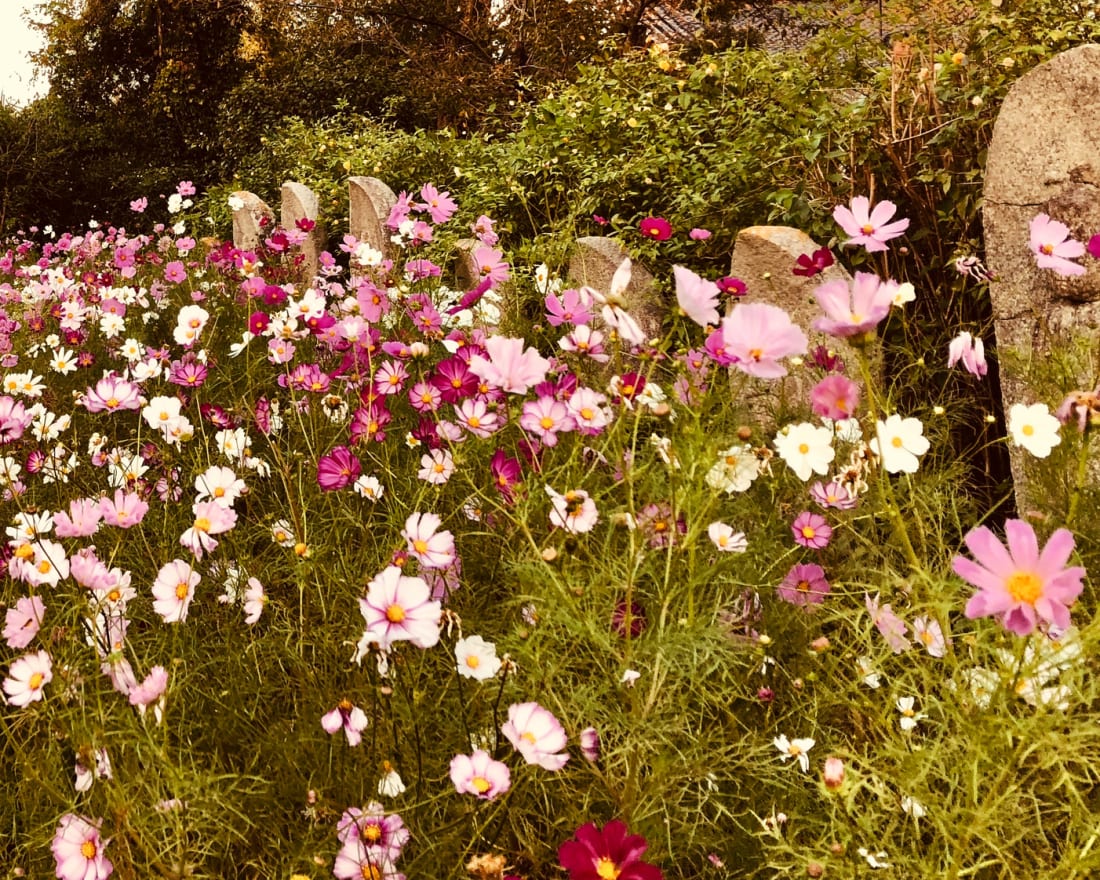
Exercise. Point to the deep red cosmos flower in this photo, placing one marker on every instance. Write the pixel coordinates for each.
(608, 854)
(657, 228)
(809, 265)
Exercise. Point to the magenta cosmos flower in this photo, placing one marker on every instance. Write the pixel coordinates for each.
(536, 734)
(657, 228)
(1053, 248)
(869, 227)
(480, 775)
(400, 608)
(78, 850)
(610, 852)
(1020, 584)
(756, 335)
(850, 311)
(804, 585)
(338, 469)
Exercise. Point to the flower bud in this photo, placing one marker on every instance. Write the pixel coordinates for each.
(590, 744)
(833, 773)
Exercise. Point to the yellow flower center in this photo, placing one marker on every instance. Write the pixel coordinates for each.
(607, 869)
(420, 546)
(1047, 249)
(527, 735)
(44, 566)
(395, 614)
(586, 414)
(35, 681)
(372, 834)
(756, 353)
(202, 524)
(481, 784)
(803, 448)
(1027, 430)
(896, 442)
(112, 402)
(1024, 586)
(808, 532)
(473, 422)
(867, 229)
(181, 589)
(473, 661)
(371, 872)
(546, 422)
(87, 849)
(803, 586)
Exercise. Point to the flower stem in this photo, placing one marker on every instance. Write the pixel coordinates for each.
(1079, 481)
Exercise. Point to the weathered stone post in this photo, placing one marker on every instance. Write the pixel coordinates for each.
(593, 263)
(251, 222)
(300, 203)
(370, 202)
(1044, 158)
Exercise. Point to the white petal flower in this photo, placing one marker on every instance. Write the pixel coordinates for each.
(806, 448)
(1034, 428)
(900, 443)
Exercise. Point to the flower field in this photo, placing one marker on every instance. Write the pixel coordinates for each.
(365, 576)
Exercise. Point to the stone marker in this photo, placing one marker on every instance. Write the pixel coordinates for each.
(300, 203)
(247, 229)
(370, 204)
(593, 263)
(1044, 158)
(467, 271)
(764, 257)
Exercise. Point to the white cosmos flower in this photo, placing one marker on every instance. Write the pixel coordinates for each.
(900, 443)
(806, 448)
(1034, 428)
(795, 748)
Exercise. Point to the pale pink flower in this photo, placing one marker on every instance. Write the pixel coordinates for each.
(697, 297)
(1053, 248)
(892, 627)
(476, 417)
(574, 511)
(436, 467)
(348, 717)
(112, 393)
(255, 598)
(588, 410)
(400, 608)
(851, 309)
(173, 590)
(867, 227)
(81, 521)
(190, 322)
(430, 547)
(584, 340)
(126, 509)
(150, 690)
(22, 621)
(210, 519)
(726, 539)
(545, 418)
(477, 658)
(78, 850)
(509, 365)
(928, 634)
(480, 775)
(756, 335)
(1019, 584)
(536, 734)
(27, 678)
(971, 351)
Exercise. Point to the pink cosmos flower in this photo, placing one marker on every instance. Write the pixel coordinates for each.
(175, 272)
(374, 829)
(476, 417)
(491, 264)
(589, 411)
(756, 335)
(869, 228)
(509, 366)
(430, 547)
(185, 188)
(584, 340)
(27, 678)
(569, 308)
(971, 351)
(400, 608)
(855, 310)
(544, 418)
(892, 627)
(337, 469)
(173, 590)
(1020, 584)
(211, 518)
(439, 205)
(1053, 248)
(346, 716)
(833, 494)
(536, 734)
(928, 634)
(138, 206)
(356, 860)
(150, 690)
(1093, 247)
(78, 850)
(811, 530)
(590, 744)
(613, 305)
(22, 622)
(480, 775)
(656, 228)
(698, 234)
(804, 585)
(111, 394)
(14, 419)
(81, 521)
(726, 539)
(125, 510)
(697, 297)
(574, 511)
(835, 397)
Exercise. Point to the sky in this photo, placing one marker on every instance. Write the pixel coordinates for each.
(17, 83)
